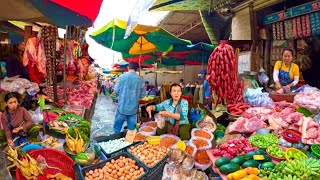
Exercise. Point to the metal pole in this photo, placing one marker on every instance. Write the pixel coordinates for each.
(64, 66)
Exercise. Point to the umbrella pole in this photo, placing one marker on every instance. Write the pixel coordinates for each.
(64, 66)
(156, 79)
(140, 64)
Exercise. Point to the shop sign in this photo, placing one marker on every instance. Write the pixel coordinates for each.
(292, 12)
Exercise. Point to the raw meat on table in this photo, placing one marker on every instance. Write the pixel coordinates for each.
(261, 113)
(310, 131)
(245, 125)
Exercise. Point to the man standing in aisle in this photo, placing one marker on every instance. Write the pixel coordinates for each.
(207, 94)
(130, 89)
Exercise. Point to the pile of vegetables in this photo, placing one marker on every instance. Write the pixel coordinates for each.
(122, 168)
(114, 145)
(84, 128)
(234, 147)
(222, 77)
(263, 140)
(276, 151)
(250, 161)
(237, 109)
(149, 154)
(296, 169)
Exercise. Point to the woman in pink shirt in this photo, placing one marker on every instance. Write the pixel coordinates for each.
(108, 87)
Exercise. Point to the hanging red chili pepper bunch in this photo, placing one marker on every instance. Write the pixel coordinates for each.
(222, 74)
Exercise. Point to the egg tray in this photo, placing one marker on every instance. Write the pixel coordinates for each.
(103, 163)
(113, 137)
(155, 169)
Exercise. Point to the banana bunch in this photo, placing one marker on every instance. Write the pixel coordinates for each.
(29, 167)
(75, 144)
(51, 141)
(12, 154)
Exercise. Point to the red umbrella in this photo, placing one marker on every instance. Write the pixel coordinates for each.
(86, 8)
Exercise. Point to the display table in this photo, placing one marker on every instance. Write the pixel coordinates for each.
(216, 170)
(89, 112)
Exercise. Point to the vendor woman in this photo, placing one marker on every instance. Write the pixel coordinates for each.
(175, 110)
(286, 73)
(15, 120)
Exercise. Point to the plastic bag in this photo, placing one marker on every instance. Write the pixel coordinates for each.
(172, 136)
(140, 133)
(203, 147)
(151, 133)
(161, 121)
(197, 129)
(193, 146)
(263, 78)
(203, 166)
(37, 116)
(207, 124)
(188, 162)
(262, 100)
(152, 124)
(252, 93)
(168, 171)
(61, 142)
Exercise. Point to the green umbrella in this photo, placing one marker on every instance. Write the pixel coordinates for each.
(143, 39)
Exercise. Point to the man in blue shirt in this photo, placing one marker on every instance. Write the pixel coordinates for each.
(130, 89)
(206, 88)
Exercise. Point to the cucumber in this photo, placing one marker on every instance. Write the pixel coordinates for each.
(222, 161)
(229, 168)
(238, 160)
(267, 165)
(250, 163)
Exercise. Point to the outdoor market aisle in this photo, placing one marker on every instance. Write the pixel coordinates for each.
(103, 117)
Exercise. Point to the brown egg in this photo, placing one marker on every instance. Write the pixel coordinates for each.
(115, 176)
(90, 176)
(120, 164)
(119, 174)
(114, 172)
(90, 172)
(126, 171)
(112, 161)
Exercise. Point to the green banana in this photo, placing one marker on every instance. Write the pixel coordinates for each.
(82, 156)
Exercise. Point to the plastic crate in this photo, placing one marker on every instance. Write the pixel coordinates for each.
(155, 169)
(113, 137)
(102, 164)
(102, 158)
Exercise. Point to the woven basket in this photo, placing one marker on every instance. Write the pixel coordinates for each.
(282, 97)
